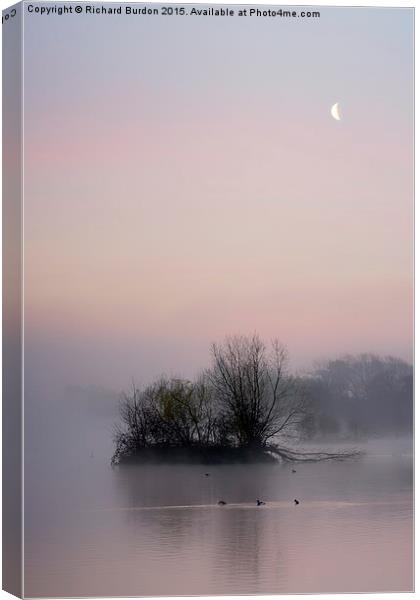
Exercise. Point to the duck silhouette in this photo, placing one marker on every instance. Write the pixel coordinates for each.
(206, 474)
(221, 503)
(296, 502)
(260, 502)
(293, 471)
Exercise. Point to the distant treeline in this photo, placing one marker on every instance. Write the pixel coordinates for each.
(359, 396)
(248, 401)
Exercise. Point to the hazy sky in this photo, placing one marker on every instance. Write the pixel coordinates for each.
(184, 180)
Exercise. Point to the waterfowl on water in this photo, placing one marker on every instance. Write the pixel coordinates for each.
(296, 502)
(206, 474)
(221, 503)
(260, 502)
(293, 471)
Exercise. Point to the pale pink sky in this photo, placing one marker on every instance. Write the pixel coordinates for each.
(169, 203)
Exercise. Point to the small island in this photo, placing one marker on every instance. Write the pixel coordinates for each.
(235, 411)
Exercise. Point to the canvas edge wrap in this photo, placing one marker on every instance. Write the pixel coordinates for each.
(12, 190)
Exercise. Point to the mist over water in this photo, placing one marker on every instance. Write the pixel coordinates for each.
(156, 529)
(169, 203)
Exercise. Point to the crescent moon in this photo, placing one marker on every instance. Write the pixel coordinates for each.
(335, 112)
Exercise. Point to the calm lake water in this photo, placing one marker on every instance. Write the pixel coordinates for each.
(149, 530)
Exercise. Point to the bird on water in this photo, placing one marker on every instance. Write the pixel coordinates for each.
(260, 502)
(293, 470)
(221, 503)
(296, 502)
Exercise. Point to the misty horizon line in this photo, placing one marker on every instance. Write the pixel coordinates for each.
(316, 364)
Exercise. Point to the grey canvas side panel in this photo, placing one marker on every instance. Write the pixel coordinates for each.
(12, 300)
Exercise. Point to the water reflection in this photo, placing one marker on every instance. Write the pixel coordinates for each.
(149, 530)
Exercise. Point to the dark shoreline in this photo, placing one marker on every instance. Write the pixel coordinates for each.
(196, 455)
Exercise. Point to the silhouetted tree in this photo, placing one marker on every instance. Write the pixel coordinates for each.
(258, 399)
(170, 412)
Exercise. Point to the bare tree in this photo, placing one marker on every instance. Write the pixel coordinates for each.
(135, 430)
(184, 410)
(258, 399)
(168, 413)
